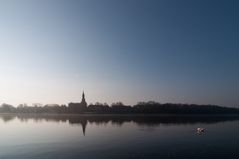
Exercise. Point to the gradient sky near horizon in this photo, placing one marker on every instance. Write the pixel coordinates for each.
(183, 51)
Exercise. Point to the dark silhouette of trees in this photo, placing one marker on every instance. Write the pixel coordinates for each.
(119, 107)
(169, 108)
(150, 107)
(98, 107)
(5, 108)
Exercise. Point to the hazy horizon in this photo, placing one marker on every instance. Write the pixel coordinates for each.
(129, 51)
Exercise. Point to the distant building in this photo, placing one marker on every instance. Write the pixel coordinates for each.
(83, 102)
(78, 107)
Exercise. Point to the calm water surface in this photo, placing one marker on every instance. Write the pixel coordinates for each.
(106, 137)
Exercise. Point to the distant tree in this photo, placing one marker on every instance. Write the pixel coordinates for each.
(37, 105)
(7, 108)
(117, 104)
(22, 105)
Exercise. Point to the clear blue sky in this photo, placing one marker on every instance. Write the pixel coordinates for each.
(183, 51)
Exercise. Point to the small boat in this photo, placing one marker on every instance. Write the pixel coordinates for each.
(200, 130)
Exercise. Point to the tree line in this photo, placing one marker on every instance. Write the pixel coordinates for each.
(150, 107)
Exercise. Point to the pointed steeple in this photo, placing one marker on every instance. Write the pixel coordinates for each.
(83, 96)
(83, 101)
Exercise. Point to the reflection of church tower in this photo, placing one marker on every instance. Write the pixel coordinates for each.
(79, 120)
(83, 102)
(84, 123)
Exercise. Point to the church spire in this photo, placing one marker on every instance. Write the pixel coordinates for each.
(83, 96)
(83, 101)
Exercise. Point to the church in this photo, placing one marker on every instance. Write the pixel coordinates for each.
(78, 107)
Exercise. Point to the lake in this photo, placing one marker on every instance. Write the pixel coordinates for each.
(117, 137)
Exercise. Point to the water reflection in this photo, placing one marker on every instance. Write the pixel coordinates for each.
(140, 120)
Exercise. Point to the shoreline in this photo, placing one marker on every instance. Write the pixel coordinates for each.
(130, 114)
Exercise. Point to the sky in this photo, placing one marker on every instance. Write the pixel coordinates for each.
(119, 50)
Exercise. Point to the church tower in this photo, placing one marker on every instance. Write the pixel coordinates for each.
(78, 107)
(83, 102)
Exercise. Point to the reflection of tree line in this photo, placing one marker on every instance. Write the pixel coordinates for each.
(141, 120)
